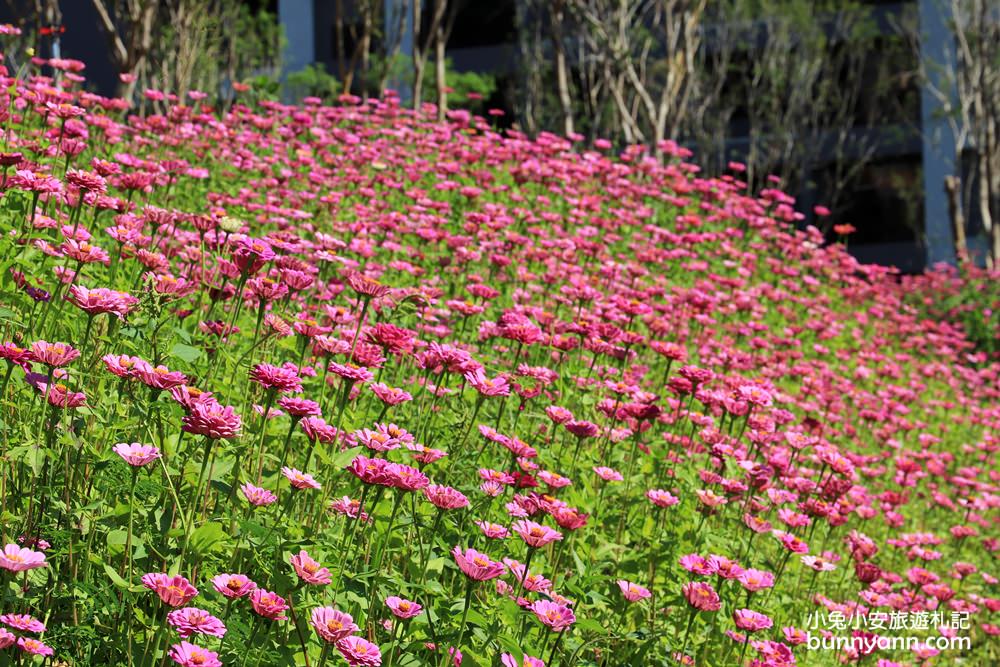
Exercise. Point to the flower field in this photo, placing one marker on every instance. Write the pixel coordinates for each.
(325, 385)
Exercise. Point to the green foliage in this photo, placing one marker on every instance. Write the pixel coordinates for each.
(312, 81)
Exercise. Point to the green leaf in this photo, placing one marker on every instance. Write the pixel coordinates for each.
(185, 352)
(207, 538)
(342, 459)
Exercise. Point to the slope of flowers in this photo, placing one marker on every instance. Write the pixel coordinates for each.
(310, 385)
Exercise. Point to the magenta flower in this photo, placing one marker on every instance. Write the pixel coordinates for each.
(359, 652)
(34, 647)
(233, 585)
(269, 605)
(445, 497)
(701, 596)
(556, 616)
(23, 622)
(535, 535)
(755, 580)
(213, 420)
(136, 454)
(279, 378)
(309, 570)
(257, 496)
(191, 620)
(189, 655)
(299, 479)
(508, 660)
(633, 592)
(19, 559)
(751, 621)
(476, 565)
(332, 625)
(54, 355)
(398, 606)
(175, 591)
(101, 300)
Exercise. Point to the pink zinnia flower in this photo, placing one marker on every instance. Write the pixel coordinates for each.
(359, 652)
(175, 591)
(535, 535)
(633, 592)
(7, 638)
(299, 479)
(101, 300)
(756, 580)
(477, 565)
(257, 496)
(233, 585)
(309, 570)
(282, 379)
(508, 660)
(662, 498)
(189, 655)
(34, 646)
(397, 605)
(22, 622)
(751, 621)
(18, 559)
(191, 620)
(53, 354)
(332, 625)
(445, 497)
(556, 616)
(213, 420)
(269, 605)
(136, 454)
(701, 596)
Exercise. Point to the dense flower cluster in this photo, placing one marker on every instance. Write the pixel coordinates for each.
(345, 383)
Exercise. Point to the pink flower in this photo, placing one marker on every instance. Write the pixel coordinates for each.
(175, 591)
(359, 652)
(233, 585)
(332, 625)
(508, 660)
(485, 386)
(34, 646)
(299, 479)
(213, 420)
(269, 605)
(18, 559)
(751, 621)
(191, 620)
(309, 570)
(476, 565)
(445, 497)
(257, 496)
(22, 622)
(756, 580)
(701, 596)
(101, 300)
(136, 454)
(398, 606)
(608, 474)
(633, 592)
(494, 531)
(535, 535)
(189, 655)
(662, 498)
(279, 378)
(556, 616)
(53, 354)
(7, 638)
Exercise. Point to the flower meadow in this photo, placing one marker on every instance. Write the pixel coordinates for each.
(327, 385)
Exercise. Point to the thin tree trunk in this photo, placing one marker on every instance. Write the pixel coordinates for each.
(562, 73)
(952, 189)
(440, 66)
